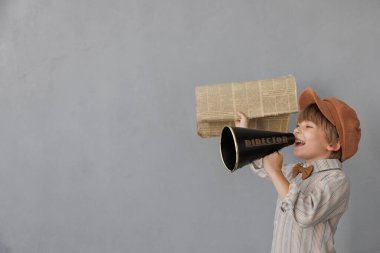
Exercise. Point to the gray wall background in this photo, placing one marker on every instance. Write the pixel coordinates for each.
(98, 144)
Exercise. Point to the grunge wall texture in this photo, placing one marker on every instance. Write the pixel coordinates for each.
(98, 144)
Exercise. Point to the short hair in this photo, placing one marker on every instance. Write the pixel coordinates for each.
(313, 114)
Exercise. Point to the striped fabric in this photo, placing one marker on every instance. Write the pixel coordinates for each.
(306, 220)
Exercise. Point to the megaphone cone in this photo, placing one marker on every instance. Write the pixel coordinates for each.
(241, 146)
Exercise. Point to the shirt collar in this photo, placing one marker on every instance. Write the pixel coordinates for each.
(324, 164)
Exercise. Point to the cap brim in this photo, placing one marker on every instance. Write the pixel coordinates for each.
(309, 96)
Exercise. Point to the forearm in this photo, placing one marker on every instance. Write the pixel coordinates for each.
(280, 183)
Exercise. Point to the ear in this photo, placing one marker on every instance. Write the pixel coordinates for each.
(334, 146)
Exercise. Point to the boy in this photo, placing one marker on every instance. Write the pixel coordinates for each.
(313, 195)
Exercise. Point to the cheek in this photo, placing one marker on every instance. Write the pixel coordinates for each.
(317, 140)
(312, 137)
(321, 140)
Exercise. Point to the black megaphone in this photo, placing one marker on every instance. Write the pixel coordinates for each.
(241, 146)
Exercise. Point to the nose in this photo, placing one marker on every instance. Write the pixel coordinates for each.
(296, 130)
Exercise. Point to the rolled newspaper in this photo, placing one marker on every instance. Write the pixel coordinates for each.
(267, 103)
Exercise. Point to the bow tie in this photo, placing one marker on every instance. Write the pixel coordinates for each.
(305, 172)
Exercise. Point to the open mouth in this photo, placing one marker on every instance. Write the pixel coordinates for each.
(299, 143)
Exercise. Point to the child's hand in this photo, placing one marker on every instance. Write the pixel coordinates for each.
(273, 163)
(241, 120)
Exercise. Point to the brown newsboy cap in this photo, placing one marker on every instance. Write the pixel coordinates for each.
(342, 116)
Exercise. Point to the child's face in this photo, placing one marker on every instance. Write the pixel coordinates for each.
(311, 143)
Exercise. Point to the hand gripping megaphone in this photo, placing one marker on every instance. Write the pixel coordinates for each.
(241, 146)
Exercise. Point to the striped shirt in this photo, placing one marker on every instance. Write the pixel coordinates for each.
(306, 219)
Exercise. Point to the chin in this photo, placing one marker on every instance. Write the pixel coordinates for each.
(299, 155)
(295, 153)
